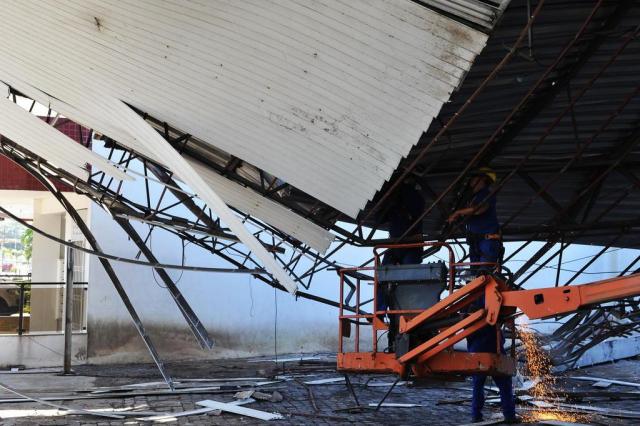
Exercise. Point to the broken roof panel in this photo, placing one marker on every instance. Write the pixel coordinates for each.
(480, 12)
(328, 96)
(262, 208)
(47, 142)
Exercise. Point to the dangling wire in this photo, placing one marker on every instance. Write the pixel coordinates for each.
(251, 313)
(153, 271)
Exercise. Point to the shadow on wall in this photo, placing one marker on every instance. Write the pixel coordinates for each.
(115, 342)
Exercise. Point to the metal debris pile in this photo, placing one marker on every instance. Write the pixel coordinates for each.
(224, 395)
(245, 391)
(294, 390)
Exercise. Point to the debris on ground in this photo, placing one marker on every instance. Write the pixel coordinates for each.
(134, 393)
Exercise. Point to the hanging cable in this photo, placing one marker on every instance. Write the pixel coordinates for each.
(573, 260)
(127, 260)
(153, 271)
(251, 311)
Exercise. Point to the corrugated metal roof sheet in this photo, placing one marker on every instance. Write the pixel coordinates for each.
(80, 93)
(328, 96)
(480, 12)
(47, 142)
(233, 194)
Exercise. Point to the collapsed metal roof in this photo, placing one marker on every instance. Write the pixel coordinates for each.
(325, 97)
(328, 97)
(558, 122)
(551, 103)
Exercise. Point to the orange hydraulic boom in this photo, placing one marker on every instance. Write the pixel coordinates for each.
(448, 323)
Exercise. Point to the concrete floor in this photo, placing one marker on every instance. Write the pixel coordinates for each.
(298, 403)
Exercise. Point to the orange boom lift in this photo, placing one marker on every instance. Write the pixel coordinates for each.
(427, 334)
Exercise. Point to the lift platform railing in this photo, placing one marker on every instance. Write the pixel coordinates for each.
(375, 319)
(438, 345)
(426, 339)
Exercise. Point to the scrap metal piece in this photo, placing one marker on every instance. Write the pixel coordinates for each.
(58, 406)
(243, 411)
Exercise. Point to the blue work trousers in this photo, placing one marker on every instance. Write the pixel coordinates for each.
(507, 400)
(486, 339)
(483, 250)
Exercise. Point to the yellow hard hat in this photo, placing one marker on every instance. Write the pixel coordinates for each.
(488, 172)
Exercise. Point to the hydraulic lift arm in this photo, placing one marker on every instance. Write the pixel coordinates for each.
(499, 301)
(547, 302)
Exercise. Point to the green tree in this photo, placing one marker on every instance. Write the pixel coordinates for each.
(27, 243)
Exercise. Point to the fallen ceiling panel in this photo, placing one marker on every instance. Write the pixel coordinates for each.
(250, 202)
(326, 95)
(80, 93)
(233, 194)
(46, 141)
(97, 123)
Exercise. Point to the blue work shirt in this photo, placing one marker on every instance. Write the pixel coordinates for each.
(487, 222)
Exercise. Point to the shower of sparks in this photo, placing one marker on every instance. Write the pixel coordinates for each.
(538, 366)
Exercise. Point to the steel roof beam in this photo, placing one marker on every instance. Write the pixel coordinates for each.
(557, 82)
(535, 257)
(473, 162)
(594, 258)
(538, 189)
(620, 151)
(107, 198)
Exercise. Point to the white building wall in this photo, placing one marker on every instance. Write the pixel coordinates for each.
(40, 350)
(238, 311)
(46, 314)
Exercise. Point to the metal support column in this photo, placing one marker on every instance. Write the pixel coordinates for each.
(68, 313)
(21, 312)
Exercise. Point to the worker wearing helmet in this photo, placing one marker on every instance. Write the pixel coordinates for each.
(485, 246)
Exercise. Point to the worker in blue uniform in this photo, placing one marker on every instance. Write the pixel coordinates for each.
(482, 226)
(404, 209)
(485, 245)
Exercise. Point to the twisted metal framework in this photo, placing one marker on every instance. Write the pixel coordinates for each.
(588, 329)
(440, 174)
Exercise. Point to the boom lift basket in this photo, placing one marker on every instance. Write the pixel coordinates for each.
(416, 289)
(429, 325)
